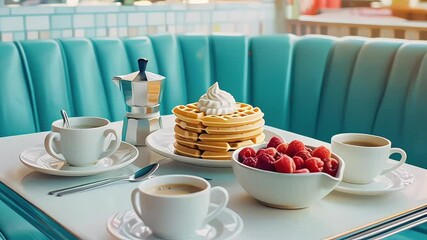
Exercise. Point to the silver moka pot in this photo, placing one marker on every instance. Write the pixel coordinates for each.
(142, 91)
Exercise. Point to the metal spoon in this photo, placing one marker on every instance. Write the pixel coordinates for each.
(140, 175)
(65, 118)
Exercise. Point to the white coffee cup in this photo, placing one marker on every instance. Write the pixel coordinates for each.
(86, 141)
(175, 206)
(366, 156)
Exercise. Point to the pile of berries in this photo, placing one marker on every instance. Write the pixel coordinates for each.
(293, 157)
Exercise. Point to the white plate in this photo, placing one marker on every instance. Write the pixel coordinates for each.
(161, 142)
(38, 159)
(127, 225)
(393, 181)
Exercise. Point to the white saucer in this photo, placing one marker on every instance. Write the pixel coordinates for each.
(161, 142)
(38, 159)
(127, 225)
(393, 181)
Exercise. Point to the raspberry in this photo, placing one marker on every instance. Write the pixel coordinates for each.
(294, 147)
(250, 161)
(245, 153)
(274, 142)
(281, 148)
(330, 166)
(271, 151)
(299, 162)
(266, 162)
(314, 164)
(302, 170)
(304, 154)
(321, 152)
(309, 150)
(285, 164)
(277, 156)
(261, 151)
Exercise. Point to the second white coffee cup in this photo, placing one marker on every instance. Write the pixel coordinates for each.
(175, 206)
(366, 156)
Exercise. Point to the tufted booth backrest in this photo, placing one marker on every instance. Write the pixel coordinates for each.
(349, 84)
(314, 85)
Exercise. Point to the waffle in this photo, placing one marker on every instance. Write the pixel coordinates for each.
(188, 113)
(245, 114)
(216, 136)
(190, 152)
(199, 128)
(217, 155)
(230, 137)
(238, 118)
(185, 142)
(218, 146)
(186, 134)
(186, 151)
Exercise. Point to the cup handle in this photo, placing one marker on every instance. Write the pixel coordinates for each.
(223, 203)
(48, 141)
(402, 159)
(135, 202)
(111, 149)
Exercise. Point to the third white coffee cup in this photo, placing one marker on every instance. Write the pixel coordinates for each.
(366, 156)
(175, 206)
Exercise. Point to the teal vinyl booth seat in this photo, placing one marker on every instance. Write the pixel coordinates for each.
(313, 85)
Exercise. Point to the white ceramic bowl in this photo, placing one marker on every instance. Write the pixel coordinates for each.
(281, 190)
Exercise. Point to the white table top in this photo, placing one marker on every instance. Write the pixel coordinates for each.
(85, 214)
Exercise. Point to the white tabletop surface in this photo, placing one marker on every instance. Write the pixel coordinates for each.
(85, 214)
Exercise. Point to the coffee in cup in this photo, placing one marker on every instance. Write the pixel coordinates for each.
(175, 206)
(174, 189)
(366, 156)
(86, 141)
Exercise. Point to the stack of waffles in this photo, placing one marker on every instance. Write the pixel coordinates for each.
(216, 136)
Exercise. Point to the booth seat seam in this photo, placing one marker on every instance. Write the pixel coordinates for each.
(30, 87)
(72, 111)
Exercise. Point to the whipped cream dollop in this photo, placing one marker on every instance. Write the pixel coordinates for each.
(216, 101)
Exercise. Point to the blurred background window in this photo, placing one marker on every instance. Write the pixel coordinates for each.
(343, 3)
(33, 1)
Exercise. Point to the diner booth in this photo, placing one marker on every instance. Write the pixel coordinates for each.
(305, 87)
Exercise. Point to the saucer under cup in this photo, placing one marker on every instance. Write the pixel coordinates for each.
(36, 158)
(126, 225)
(393, 181)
